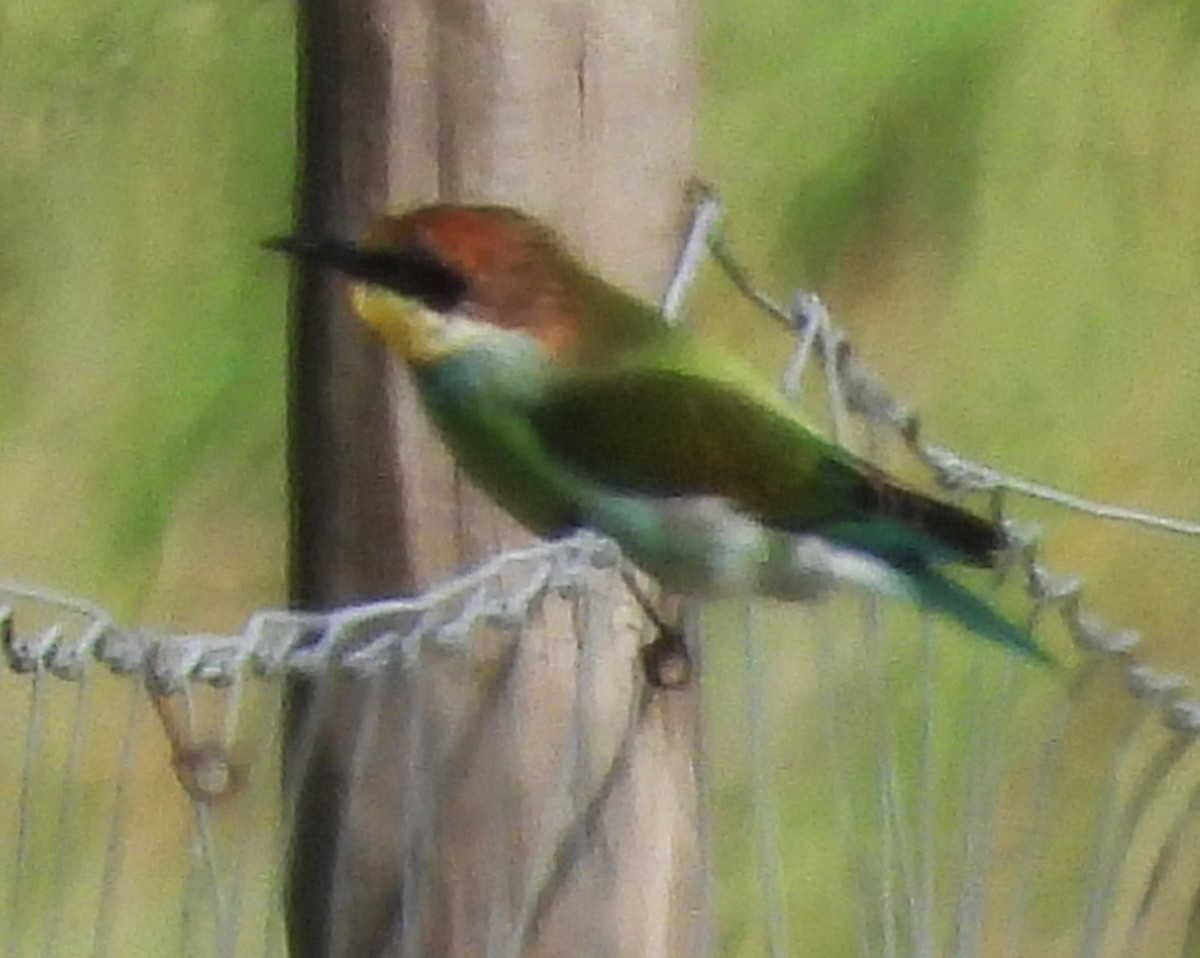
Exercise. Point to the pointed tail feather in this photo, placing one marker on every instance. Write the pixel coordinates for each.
(945, 595)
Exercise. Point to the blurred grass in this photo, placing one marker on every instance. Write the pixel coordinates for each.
(1000, 200)
(148, 146)
(1001, 203)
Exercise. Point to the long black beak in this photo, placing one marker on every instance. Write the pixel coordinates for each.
(357, 262)
(411, 271)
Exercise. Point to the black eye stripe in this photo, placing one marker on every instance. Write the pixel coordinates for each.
(412, 271)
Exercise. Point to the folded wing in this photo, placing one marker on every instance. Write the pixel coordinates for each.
(658, 429)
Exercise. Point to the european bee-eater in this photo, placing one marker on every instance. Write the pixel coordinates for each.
(576, 404)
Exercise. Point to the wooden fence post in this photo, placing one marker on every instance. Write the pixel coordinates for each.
(581, 112)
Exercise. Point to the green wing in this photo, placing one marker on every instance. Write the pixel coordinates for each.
(660, 428)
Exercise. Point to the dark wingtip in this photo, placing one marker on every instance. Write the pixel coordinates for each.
(977, 540)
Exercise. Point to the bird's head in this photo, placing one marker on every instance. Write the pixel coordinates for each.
(444, 278)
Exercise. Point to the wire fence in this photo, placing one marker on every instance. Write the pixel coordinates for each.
(906, 796)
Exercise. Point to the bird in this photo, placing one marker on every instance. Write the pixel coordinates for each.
(575, 404)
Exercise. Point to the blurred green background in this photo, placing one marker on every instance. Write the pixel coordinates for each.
(1000, 200)
(147, 147)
